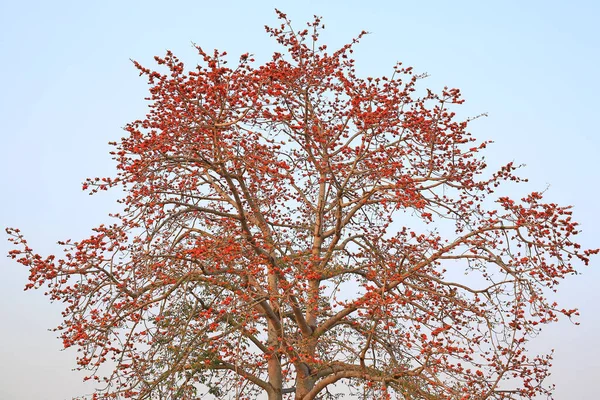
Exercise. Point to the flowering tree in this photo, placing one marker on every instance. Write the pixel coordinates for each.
(285, 232)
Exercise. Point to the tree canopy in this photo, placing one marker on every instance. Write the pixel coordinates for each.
(294, 230)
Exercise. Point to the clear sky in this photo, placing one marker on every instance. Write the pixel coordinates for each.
(68, 87)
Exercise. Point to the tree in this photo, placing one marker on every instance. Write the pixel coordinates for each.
(286, 231)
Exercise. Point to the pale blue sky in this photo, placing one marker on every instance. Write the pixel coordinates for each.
(68, 87)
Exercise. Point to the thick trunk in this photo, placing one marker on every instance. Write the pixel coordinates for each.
(275, 395)
(303, 386)
(304, 381)
(274, 366)
(274, 363)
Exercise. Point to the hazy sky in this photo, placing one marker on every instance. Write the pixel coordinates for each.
(68, 87)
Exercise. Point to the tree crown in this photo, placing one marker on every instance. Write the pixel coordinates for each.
(279, 236)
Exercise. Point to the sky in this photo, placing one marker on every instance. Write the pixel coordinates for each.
(68, 87)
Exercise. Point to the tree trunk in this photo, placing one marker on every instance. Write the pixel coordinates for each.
(304, 381)
(274, 366)
(274, 363)
(304, 384)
